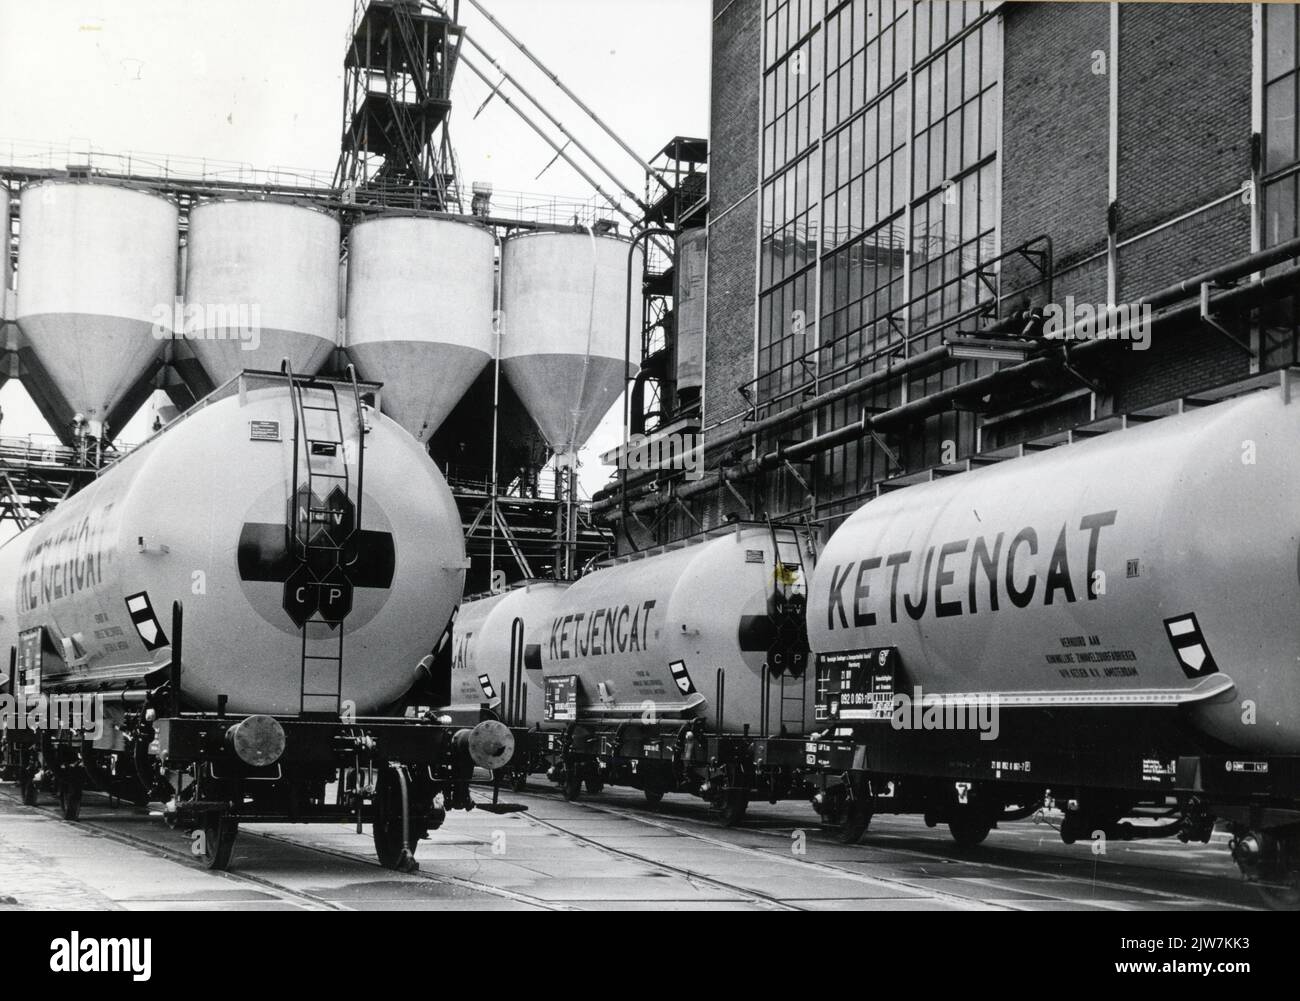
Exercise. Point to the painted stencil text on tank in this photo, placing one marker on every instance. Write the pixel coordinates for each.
(601, 631)
(68, 561)
(963, 576)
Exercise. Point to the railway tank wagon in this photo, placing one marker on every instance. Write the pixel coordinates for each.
(1113, 620)
(663, 670)
(246, 627)
(488, 663)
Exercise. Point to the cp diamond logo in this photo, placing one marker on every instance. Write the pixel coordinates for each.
(319, 578)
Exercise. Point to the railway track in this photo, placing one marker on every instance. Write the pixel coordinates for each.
(159, 846)
(989, 878)
(698, 813)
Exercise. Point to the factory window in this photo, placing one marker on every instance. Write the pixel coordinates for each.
(889, 82)
(868, 46)
(786, 23)
(938, 22)
(1281, 78)
(785, 332)
(955, 109)
(866, 169)
(789, 242)
(953, 232)
(792, 105)
(862, 292)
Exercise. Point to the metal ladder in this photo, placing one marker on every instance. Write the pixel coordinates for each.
(790, 598)
(319, 452)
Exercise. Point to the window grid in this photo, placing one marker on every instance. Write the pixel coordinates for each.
(1281, 97)
(938, 88)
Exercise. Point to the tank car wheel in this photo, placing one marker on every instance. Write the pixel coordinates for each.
(70, 787)
(595, 784)
(394, 847)
(969, 830)
(734, 805)
(572, 784)
(853, 820)
(654, 796)
(26, 788)
(219, 834)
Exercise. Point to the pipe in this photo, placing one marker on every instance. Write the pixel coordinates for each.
(1227, 272)
(496, 403)
(556, 122)
(570, 94)
(553, 144)
(916, 364)
(645, 234)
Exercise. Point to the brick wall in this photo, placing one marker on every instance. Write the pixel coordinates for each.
(733, 205)
(1054, 127)
(1184, 140)
(1184, 111)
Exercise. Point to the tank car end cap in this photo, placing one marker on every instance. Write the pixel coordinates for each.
(491, 745)
(258, 741)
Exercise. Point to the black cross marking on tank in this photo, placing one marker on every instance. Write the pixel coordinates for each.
(780, 635)
(324, 583)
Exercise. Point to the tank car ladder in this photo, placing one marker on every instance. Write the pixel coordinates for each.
(319, 452)
(789, 600)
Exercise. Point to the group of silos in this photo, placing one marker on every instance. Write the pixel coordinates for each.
(104, 281)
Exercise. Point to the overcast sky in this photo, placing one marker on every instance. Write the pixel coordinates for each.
(261, 83)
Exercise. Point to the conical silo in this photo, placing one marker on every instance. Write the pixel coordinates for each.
(565, 311)
(97, 287)
(419, 313)
(261, 285)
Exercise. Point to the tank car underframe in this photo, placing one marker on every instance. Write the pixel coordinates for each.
(729, 770)
(1099, 767)
(399, 775)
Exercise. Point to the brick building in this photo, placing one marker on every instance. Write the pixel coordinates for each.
(895, 186)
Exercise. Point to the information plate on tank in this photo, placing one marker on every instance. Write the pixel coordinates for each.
(856, 684)
(263, 430)
(561, 694)
(28, 661)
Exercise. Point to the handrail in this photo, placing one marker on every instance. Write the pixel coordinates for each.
(986, 306)
(361, 443)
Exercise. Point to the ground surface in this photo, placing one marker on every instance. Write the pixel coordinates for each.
(605, 852)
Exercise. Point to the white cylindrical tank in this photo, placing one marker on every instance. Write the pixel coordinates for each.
(1155, 566)
(565, 310)
(688, 306)
(262, 284)
(490, 637)
(100, 573)
(97, 287)
(651, 635)
(419, 313)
